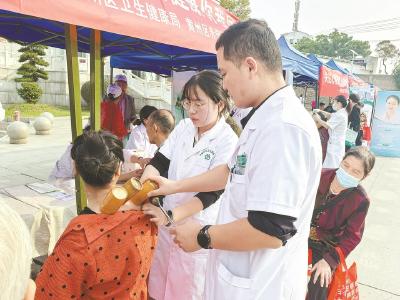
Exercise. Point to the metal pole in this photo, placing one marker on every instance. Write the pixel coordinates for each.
(71, 46)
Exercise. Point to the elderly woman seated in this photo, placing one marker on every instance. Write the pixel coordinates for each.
(99, 255)
(339, 215)
(15, 256)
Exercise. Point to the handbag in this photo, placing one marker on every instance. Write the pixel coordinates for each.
(344, 283)
(351, 137)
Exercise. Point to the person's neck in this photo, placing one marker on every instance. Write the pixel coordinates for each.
(335, 188)
(95, 196)
(203, 130)
(272, 84)
(160, 140)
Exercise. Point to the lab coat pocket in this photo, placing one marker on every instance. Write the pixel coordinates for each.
(232, 286)
(237, 191)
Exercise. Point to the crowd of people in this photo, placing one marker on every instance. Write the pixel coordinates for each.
(243, 209)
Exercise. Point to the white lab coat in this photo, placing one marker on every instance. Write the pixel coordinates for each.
(139, 141)
(175, 274)
(275, 168)
(337, 139)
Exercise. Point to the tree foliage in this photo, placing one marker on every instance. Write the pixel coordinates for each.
(336, 44)
(396, 75)
(31, 57)
(30, 92)
(240, 8)
(31, 71)
(386, 50)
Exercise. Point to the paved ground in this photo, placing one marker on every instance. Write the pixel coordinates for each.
(377, 257)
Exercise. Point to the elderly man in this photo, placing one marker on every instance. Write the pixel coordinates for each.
(160, 124)
(127, 103)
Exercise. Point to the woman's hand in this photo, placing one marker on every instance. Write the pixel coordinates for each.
(322, 270)
(155, 213)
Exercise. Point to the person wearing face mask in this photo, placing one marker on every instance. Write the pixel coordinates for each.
(338, 220)
(337, 126)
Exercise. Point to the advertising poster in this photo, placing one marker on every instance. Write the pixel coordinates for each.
(178, 81)
(386, 124)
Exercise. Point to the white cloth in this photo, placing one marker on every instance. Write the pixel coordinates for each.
(64, 167)
(139, 141)
(337, 139)
(239, 113)
(175, 274)
(275, 168)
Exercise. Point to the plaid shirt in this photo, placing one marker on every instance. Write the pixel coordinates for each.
(343, 224)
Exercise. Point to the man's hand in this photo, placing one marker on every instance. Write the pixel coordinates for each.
(185, 236)
(322, 270)
(166, 186)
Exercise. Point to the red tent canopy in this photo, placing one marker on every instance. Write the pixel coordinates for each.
(193, 24)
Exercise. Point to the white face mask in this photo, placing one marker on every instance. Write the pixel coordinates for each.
(335, 107)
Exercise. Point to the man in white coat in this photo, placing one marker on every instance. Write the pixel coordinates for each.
(259, 244)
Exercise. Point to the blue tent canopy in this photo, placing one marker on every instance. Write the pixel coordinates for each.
(333, 65)
(295, 61)
(133, 60)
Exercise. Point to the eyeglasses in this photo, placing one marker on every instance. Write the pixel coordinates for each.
(197, 104)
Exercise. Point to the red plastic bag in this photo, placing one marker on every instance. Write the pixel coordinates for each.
(344, 283)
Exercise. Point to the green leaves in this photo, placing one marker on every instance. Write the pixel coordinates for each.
(336, 44)
(31, 72)
(240, 8)
(30, 92)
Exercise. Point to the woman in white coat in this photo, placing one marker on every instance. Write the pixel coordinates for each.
(198, 143)
(337, 126)
(138, 139)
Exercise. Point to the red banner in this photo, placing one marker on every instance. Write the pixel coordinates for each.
(357, 82)
(332, 83)
(193, 24)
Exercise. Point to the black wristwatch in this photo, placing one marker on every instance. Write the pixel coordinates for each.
(203, 238)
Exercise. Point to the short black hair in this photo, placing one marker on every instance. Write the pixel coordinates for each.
(395, 97)
(355, 98)
(144, 113)
(97, 156)
(251, 38)
(342, 100)
(164, 119)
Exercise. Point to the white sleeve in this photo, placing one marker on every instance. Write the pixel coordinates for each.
(279, 170)
(135, 141)
(334, 121)
(167, 149)
(225, 149)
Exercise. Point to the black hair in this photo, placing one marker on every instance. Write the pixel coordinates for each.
(97, 156)
(363, 154)
(164, 119)
(210, 82)
(355, 98)
(144, 113)
(342, 100)
(322, 116)
(395, 97)
(251, 38)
